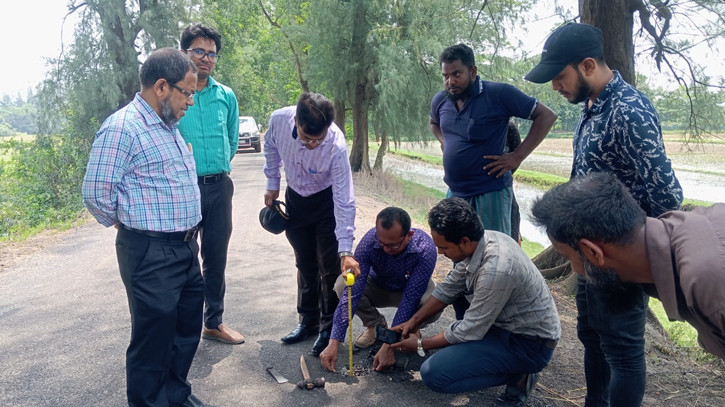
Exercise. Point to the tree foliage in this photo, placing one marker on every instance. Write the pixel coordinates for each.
(93, 77)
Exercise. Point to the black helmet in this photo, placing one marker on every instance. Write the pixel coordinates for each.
(274, 219)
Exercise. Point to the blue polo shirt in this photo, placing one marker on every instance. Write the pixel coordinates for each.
(479, 129)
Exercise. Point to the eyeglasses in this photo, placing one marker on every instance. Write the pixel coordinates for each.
(189, 95)
(199, 53)
(311, 141)
(391, 246)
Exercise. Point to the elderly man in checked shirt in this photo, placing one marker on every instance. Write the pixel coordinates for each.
(321, 204)
(141, 178)
(396, 265)
(509, 332)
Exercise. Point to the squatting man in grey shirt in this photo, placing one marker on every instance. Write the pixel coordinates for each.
(510, 330)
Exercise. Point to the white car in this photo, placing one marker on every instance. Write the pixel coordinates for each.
(249, 134)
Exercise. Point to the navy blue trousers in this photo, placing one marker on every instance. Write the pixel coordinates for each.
(165, 293)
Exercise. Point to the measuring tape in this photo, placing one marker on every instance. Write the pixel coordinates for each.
(350, 280)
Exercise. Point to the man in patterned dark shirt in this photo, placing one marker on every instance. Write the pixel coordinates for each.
(618, 132)
(396, 265)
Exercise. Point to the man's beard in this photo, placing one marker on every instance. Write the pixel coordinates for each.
(604, 279)
(167, 113)
(583, 90)
(609, 288)
(465, 95)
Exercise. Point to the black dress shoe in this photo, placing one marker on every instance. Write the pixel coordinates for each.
(191, 401)
(299, 334)
(321, 343)
(516, 397)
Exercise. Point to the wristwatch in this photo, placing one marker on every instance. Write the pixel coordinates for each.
(344, 254)
(421, 352)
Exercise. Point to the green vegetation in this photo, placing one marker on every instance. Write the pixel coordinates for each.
(426, 158)
(539, 179)
(682, 334)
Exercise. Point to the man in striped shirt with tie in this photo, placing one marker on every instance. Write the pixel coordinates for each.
(321, 204)
(141, 178)
(211, 126)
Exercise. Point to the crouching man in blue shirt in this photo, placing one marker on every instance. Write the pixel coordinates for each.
(396, 265)
(510, 330)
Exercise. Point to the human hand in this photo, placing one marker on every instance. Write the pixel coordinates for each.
(270, 197)
(407, 345)
(406, 328)
(328, 357)
(349, 264)
(501, 163)
(384, 358)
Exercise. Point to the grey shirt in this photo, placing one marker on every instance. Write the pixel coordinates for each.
(686, 252)
(505, 289)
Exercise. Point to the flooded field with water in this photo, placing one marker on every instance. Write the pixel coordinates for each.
(700, 171)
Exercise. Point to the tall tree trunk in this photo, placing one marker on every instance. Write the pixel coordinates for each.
(359, 160)
(360, 26)
(340, 113)
(616, 20)
(383, 135)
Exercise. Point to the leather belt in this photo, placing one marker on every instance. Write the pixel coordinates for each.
(183, 236)
(549, 343)
(211, 179)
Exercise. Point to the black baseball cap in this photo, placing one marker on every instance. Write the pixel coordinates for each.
(274, 219)
(568, 44)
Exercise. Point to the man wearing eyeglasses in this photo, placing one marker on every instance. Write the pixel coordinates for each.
(321, 204)
(396, 265)
(141, 179)
(212, 129)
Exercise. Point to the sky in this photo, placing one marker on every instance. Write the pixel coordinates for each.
(39, 23)
(34, 27)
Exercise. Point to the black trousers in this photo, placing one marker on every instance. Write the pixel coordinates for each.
(311, 232)
(165, 293)
(215, 230)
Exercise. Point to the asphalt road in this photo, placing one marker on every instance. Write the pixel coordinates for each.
(65, 327)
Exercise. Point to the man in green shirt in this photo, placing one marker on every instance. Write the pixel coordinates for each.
(211, 126)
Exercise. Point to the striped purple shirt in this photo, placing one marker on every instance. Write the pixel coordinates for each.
(310, 171)
(141, 173)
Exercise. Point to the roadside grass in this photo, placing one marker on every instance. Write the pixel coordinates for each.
(682, 334)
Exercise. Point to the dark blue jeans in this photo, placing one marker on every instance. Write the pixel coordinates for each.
(611, 327)
(501, 357)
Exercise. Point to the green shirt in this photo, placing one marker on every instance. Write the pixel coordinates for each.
(212, 128)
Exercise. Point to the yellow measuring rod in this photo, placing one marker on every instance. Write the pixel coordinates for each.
(350, 280)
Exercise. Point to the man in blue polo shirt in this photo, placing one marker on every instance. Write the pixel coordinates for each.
(470, 119)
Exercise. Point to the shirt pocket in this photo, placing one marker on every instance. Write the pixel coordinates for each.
(478, 129)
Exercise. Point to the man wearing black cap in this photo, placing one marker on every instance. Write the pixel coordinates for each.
(618, 132)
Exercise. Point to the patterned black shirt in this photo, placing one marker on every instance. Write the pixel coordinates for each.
(621, 134)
